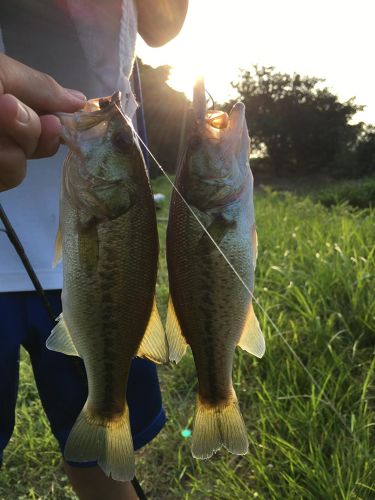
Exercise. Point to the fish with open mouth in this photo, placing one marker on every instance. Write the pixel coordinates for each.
(209, 308)
(109, 244)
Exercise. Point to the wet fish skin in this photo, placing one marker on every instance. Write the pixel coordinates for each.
(110, 252)
(209, 307)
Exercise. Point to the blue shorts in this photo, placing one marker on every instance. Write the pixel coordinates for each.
(60, 379)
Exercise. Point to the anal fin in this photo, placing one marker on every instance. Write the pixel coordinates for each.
(176, 341)
(252, 339)
(154, 343)
(60, 339)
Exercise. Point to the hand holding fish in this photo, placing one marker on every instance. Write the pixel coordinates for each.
(27, 130)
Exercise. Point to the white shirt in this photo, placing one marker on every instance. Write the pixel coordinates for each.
(33, 207)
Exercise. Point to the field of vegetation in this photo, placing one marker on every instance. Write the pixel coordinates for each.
(308, 404)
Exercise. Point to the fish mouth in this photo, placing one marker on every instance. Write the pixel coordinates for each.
(211, 125)
(102, 103)
(95, 111)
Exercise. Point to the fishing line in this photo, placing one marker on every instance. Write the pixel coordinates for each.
(212, 99)
(278, 332)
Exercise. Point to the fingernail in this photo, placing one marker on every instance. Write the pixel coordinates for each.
(77, 94)
(23, 115)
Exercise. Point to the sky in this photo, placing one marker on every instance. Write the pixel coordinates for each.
(329, 39)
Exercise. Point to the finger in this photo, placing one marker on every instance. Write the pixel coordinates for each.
(37, 90)
(19, 123)
(12, 165)
(49, 139)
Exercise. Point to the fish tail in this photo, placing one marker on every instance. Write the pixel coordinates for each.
(217, 426)
(107, 441)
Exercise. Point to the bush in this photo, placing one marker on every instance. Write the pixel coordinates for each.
(365, 152)
(357, 193)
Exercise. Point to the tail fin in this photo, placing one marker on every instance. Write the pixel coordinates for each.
(217, 426)
(109, 442)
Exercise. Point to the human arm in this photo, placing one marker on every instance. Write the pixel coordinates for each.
(160, 20)
(27, 128)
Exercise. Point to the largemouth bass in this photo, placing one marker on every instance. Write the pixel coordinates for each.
(109, 241)
(209, 308)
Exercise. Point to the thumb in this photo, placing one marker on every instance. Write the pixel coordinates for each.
(37, 90)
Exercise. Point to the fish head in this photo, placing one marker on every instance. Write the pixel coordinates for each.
(216, 168)
(104, 152)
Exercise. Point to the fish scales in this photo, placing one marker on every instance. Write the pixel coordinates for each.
(210, 309)
(108, 236)
(110, 305)
(208, 298)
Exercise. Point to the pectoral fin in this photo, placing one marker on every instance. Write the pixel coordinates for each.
(252, 339)
(154, 343)
(58, 248)
(217, 230)
(176, 341)
(60, 339)
(254, 239)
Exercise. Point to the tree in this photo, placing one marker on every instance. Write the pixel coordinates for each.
(303, 126)
(165, 110)
(365, 151)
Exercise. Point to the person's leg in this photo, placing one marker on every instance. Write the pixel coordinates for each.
(147, 418)
(62, 385)
(11, 330)
(90, 483)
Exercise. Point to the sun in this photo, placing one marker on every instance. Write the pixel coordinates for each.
(195, 59)
(222, 37)
(203, 48)
(182, 78)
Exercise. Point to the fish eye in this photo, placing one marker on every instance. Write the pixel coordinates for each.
(123, 141)
(104, 102)
(217, 119)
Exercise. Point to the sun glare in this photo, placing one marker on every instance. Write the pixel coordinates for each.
(203, 48)
(220, 37)
(182, 78)
(194, 57)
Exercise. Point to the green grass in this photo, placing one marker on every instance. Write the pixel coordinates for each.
(315, 279)
(357, 193)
